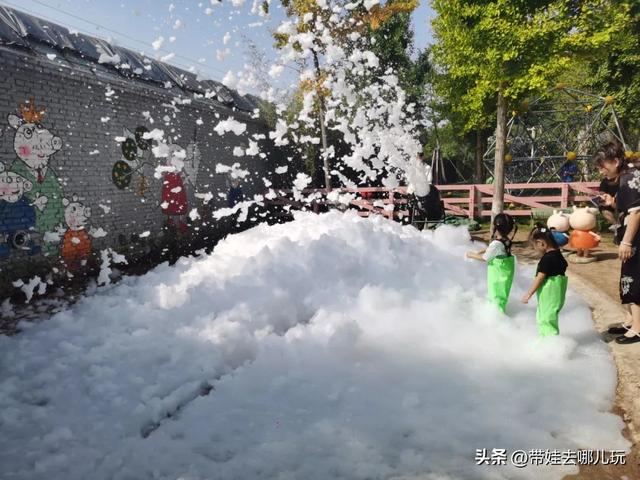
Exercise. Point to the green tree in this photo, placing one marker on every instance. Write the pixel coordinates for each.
(311, 18)
(451, 105)
(617, 71)
(504, 50)
(393, 44)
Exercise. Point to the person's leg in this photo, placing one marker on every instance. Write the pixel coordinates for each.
(635, 321)
(500, 272)
(547, 320)
(626, 325)
(551, 297)
(635, 315)
(628, 285)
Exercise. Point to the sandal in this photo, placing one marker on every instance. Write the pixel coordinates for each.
(624, 340)
(620, 329)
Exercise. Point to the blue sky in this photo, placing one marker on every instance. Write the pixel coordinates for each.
(198, 36)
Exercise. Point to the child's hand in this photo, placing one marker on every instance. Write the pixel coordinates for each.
(475, 255)
(525, 299)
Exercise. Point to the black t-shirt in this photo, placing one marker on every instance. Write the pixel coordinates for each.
(628, 199)
(552, 263)
(629, 191)
(432, 204)
(607, 186)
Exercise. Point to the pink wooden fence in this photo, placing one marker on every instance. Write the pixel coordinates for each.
(465, 200)
(474, 198)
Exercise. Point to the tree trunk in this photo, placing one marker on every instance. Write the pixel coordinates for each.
(323, 135)
(323, 131)
(497, 205)
(478, 175)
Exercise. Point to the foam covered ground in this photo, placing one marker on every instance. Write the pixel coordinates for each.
(337, 348)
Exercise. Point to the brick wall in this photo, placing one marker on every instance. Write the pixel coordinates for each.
(87, 110)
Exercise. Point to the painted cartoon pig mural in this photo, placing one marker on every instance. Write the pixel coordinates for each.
(174, 196)
(76, 244)
(17, 216)
(34, 146)
(181, 167)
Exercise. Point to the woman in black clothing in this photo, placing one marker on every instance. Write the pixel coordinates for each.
(611, 162)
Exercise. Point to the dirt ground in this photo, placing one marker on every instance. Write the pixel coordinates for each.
(597, 283)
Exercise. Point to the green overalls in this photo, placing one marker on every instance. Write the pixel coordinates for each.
(500, 273)
(551, 296)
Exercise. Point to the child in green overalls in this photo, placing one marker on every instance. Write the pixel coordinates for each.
(501, 265)
(550, 283)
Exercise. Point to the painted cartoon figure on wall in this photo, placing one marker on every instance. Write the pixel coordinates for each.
(184, 167)
(76, 244)
(179, 168)
(17, 216)
(136, 154)
(35, 145)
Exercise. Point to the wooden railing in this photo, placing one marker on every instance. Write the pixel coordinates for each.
(464, 200)
(475, 197)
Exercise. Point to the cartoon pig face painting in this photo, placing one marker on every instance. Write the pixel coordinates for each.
(12, 185)
(33, 143)
(75, 214)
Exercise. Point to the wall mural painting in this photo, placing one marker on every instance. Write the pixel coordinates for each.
(174, 200)
(31, 198)
(76, 243)
(180, 168)
(30, 194)
(17, 215)
(136, 155)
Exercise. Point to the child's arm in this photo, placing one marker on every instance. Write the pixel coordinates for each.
(477, 255)
(534, 287)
